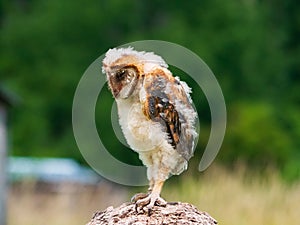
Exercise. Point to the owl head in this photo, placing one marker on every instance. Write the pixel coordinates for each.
(124, 68)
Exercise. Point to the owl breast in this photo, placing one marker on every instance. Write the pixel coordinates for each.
(148, 139)
(141, 133)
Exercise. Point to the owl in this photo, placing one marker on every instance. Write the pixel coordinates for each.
(156, 116)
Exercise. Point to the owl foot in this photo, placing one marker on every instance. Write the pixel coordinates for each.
(139, 196)
(146, 204)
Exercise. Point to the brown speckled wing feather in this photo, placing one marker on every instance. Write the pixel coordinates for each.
(157, 109)
(164, 100)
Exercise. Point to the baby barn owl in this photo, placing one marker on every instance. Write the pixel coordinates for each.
(155, 113)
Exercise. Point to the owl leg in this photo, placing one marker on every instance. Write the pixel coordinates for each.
(151, 185)
(155, 195)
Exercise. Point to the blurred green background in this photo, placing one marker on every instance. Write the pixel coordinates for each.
(252, 46)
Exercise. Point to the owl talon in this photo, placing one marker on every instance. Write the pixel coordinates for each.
(160, 202)
(138, 196)
(141, 203)
(147, 203)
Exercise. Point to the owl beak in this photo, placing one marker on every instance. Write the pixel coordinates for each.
(115, 93)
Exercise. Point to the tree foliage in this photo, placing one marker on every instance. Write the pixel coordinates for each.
(252, 47)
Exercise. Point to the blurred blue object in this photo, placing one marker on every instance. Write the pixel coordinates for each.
(50, 170)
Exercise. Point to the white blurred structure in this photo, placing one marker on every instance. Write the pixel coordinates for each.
(50, 171)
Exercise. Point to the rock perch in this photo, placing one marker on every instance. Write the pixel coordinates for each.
(173, 213)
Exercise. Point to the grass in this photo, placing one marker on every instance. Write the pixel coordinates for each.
(240, 198)
(231, 197)
(30, 204)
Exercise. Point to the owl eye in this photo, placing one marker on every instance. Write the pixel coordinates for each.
(121, 74)
(123, 81)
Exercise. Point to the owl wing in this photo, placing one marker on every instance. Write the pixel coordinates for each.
(160, 110)
(166, 100)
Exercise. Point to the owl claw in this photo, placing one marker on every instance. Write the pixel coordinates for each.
(139, 196)
(147, 203)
